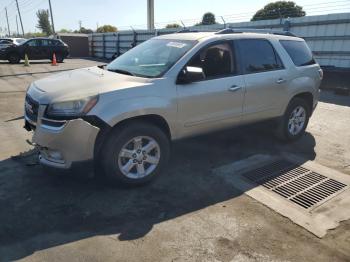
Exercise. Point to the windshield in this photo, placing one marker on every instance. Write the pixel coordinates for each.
(151, 58)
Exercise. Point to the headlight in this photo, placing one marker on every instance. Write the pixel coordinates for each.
(75, 108)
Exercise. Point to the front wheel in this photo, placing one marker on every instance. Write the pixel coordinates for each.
(135, 154)
(294, 121)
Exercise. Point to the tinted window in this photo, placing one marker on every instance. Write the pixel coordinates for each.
(44, 42)
(258, 55)
(5, 42)
(54, 43)
(216, 61)
(33, 43)
(299, 52)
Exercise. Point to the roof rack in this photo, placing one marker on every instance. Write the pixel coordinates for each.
(250, 30)
(186, 30)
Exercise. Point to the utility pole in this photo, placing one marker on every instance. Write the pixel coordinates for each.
(53, 26)
(150, 14)
(79, 25)
(17, 26)
(8, 25)
(20, 18)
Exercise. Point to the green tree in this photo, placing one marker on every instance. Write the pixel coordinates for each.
(208, 19)
(279, 9)
(106, 29)
(172, 26)
(43, 21)
(63, 30)
(83, 30)
(32, 35)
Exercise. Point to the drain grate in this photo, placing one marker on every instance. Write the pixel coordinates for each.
(295, 183)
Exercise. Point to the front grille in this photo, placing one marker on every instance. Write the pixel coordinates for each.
(31, 108)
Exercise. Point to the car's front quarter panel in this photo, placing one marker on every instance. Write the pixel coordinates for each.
(155, 98)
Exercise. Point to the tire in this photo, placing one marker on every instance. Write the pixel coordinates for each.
(59, 58)
(14, 58)
(132, 139)
(291, 126)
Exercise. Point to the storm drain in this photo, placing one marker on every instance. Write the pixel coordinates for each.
(298, 184)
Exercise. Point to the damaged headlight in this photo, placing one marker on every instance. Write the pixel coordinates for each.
(69, 109)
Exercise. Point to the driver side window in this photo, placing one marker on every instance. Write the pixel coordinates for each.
(216, 61)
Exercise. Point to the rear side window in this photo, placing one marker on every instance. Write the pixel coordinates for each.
(55, 43)
(299, 52)
(258, 55)
(44, 42)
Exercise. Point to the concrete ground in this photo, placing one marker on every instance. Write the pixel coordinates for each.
(188, 214)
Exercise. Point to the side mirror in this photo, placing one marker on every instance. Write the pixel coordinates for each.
(190, 74)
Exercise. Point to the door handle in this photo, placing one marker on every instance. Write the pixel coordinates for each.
(281, 81)
(234, 88)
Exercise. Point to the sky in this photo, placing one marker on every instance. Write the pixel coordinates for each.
(122, 14)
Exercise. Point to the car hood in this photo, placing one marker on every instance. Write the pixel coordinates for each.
(80, 83)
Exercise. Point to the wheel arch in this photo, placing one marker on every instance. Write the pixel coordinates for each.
(154, 119)
(13, 52)
(308, 97)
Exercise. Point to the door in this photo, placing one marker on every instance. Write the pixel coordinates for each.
(216, 100)
(33, 49)
(265, 79)
(46, 47)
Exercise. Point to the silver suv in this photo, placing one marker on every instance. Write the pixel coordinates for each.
(124, 115)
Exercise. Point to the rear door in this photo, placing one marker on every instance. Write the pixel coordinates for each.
(46, 49)
(32, 49)
(265, 78)
(216, 101)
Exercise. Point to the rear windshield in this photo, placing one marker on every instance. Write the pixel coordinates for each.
(299, 52)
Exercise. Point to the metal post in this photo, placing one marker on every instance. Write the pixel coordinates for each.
(150, 14)
(118, 45)
(103, 45)
(8, 25)
(17, 26)
(223, 21)
(280, 15)
(183, 25)
(92, 45)
(53, 26)
(20, 18)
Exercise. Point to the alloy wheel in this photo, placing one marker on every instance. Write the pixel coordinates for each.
(139, 157)
(296, 120)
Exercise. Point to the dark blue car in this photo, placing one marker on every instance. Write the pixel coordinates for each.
(36, 49)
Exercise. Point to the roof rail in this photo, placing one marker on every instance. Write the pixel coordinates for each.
(253, 30)
(186, 30)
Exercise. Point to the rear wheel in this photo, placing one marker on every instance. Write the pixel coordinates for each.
(135, 154)
(14, 58)
(59, 58)
(294, 121)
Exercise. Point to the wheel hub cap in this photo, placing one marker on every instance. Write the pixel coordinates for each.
(296, 120)
(139, 157)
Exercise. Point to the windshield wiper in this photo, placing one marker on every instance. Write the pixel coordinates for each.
(121, 71)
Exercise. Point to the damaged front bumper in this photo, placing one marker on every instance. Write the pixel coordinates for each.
(62, 143)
